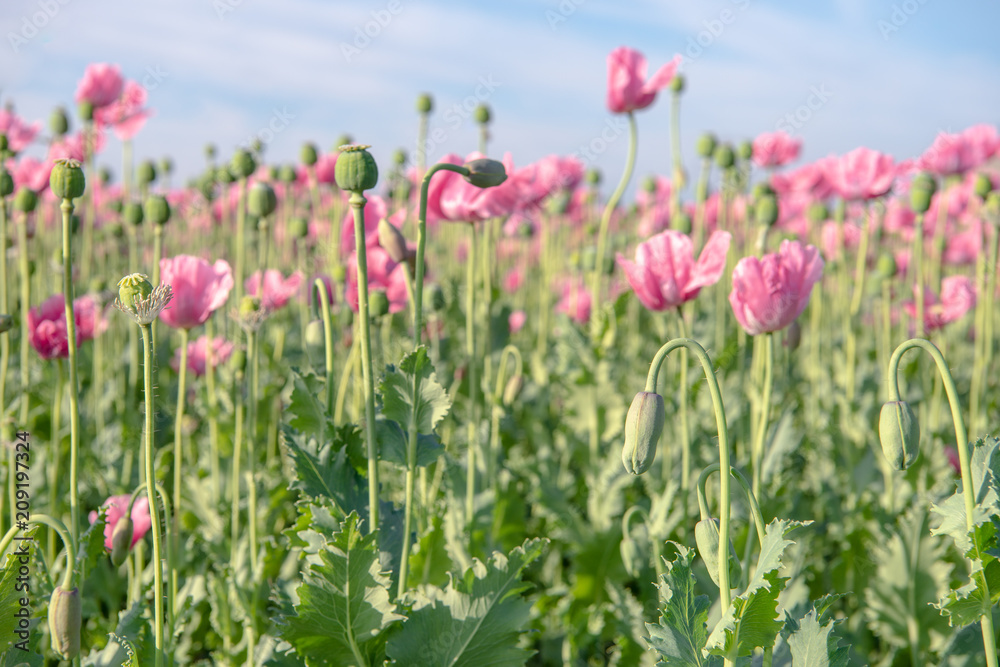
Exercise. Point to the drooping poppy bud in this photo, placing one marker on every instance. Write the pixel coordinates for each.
(899, 433)
(65, 619)
(391, 240)
(512, 389)
(643, 426)
(121, 540)
(706, 538)
(485, 173)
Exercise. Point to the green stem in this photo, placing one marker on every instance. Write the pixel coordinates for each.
(55, 460)
(470, 355)
(69, 544)
(324, 303)
(765, 409)
(213, 409)
(968, 490)
(602, 232)
(74, 385)
(253, 355)
(357, 202)
(157, 252)
(241, 223)
(723, 429)
(675, 149)
(178, 453)
(4, 340)
(147, 346)
(758, 517)
(683, 421)
(918, 268)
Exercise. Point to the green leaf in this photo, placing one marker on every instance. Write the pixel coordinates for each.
(813, 644)
(344, 607)
(475, 621)
(392, 441)
(968, 603)
(681, 632)
(91, 544)
(308, 412)
(396, 388)
(752, 619)
(10, 597)
(124, 639)
(323, 471)
(984, 468)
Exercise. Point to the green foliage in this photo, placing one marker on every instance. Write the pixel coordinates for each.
(398, 404)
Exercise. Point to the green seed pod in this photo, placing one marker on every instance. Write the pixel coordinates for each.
(134, 287)
(425, 103)
(121, 540)
(6, 183)
(391, 240)
(166, 165)
(724, 156)
(25, 200)
(682, 222)
(399, 157)
(766, 210)
(378, 303)
(643, 426)
(308, 154)
(677, 83)
(922, 192)
(67, 180)
(706, 538)
(817, 212)
(224, 175)
(59, 122)
(157, 209)
(593, 176)
(899, 433)
(272, 173)
(262, 201)
(132, 213)
(706, 145)
(65, 619)
(106, 175)
(745, 150)
(249, 306)
(298, 228)
(338, 273)
(886, 265)
(983, 186)
(512, 389)
(761, 190)
(649, 184)
(146, 173)
(482, 114)
(356, 170)
(6, 323)
(86, 111)
(434, 298)
(243, 164)
(485, 173)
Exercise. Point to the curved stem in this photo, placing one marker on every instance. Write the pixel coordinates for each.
(147, 347)
(324, 304)
(74, 386)
(683, 421)
(758, 517)
(723, 429)
(602, 232)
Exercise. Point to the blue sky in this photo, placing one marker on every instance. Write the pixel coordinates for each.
(889, 75)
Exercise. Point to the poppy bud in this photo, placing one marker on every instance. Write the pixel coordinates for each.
(157, 209)
(6, 184)
(724, 156)
(886, 265)
(425, 103)
(262, 200)
(286, 174)
(482, 114)
(243, 164)
(922, 192)
(766, 210)
(26, 200)
(132, 212)
(86, 110)
(66, 179)
(146, 173)
(677, 83)
(592, 177)
(632, 557)
(391, 240)
(745, 150)
(308, 154)
(378, 303)
(59, 122)
(643, 426)
(983, 185)
(485, 173)
(899, 433)
(434, 297)
(121, 540)
(355, 170)
(65, 619)
(706, 145)
(512, 389)
(682, 222)
(706, 538)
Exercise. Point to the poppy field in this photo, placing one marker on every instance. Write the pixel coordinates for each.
(477, 412)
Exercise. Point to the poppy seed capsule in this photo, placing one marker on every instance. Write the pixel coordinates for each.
(391, 240)
(983, 185)
(425, 103)
(66, 179)
(355, 170)
(121, 540)
(682, 222)
(899, 433)
(59, 122)
(6, 184)
(643, 426)
(483, 114)
(745, 150)
(706, 145)
(724, 156)
(132, 212)
(485, 173)
(65, 619)
(677, 83)
(146, 173)
(298, 228)
(766, 210)
(378, 303)
(308, 154)
(242, 164)
(706, 538)
(26, 200)
(157, 209)
(132, 288)
(262, 201)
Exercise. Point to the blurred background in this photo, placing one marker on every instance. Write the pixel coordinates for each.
(887, 75)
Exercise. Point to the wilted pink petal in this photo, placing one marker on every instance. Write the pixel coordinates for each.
(628, 89)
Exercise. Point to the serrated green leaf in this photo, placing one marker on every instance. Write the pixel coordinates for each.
(968, 603)
(91, 544)
(322, 472)
(392, 442)
(681, 632)
(814, 645)
(984, 468)
(308, 413)
(126, 634)
(752, 619)
(10, 597)
(344, 606)
(396, 387)
(475, 621)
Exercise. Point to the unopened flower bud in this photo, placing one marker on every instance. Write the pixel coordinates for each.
(308, 154)
(66, 179)
(434, 298)
(482, 114)
(899, 433)
(983, 185)
(706, 145)
(243, 164)
(166, 165)
(121, 540)
(262, 201)
(649, 184)
(632, 557)
(766, 210)
(26, 200)
(157, 209)
(425, 103)
(59, 122)
(6, 183)
(643, 426)
(677, 83)
(391, 240)
(65, 620)
(132, 288)
(315, 336)
(378, 303)
(399, 157)
(724, 156)
(249, 306)
(355, 170)
(485, 173)
(706, 538)
(593, 177)
(512, 389)
(85, 110)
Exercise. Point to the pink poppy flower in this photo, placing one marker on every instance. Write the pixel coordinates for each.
(775, 149)
(199, 289)
(770, 292)
(117, 506)
(628, 89)
(861, 174)
(958, 296)
(516, 320)
(19, 134)
(47, 325)
(654, 207)
(375, 210)
(101, 85)
(383, 275)
(809, 180)
(830, 236)
(325, 165)
(575, 301)
(72, 146)
(450, 197)
(958, 153)
(513, 280)
(127, 114)
(276, 290)
(30, 173)
(665, 274)
(200, 354)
